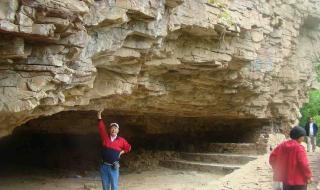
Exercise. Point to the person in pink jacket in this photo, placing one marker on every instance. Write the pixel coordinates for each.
(290, 163)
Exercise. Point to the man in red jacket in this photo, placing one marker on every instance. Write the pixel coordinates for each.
(113, 147)
(290, 163)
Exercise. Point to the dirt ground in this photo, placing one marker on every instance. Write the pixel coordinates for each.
(256, 175)
(158, 179)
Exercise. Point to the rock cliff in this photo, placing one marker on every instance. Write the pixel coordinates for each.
(200, 58)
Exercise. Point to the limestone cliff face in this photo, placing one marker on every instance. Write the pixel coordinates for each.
(216, 58)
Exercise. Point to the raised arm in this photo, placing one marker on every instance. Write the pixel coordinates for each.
(102, 127)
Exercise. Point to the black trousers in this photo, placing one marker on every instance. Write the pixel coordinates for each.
(294, 187)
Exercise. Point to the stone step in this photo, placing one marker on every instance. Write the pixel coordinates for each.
(235, 148)
(217, 158)
(222, 169)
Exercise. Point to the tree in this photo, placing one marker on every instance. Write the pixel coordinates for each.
(311, 109)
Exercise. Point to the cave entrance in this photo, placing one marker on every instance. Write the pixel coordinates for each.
(69, 141)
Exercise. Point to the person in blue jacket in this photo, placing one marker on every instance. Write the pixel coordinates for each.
(311, 130)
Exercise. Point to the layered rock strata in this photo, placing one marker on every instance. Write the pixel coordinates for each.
(217, 58)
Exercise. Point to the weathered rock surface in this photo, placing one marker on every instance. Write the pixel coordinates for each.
(224, 59)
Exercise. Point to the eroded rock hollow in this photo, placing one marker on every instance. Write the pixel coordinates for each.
(226, 60)
(70, 140)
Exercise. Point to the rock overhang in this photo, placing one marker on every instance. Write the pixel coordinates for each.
(228, 59)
